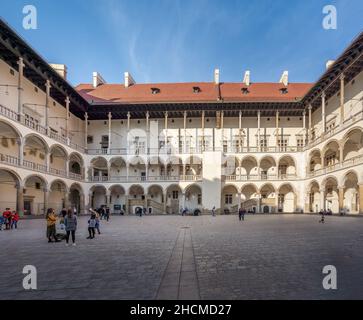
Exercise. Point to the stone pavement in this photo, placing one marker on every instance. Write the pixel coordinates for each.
(174, 257)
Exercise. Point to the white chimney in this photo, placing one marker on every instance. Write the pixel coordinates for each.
(216, 76)
(246, 78)
(61, 69)
(97, 79)
(129, 80)
(285, 78)
(329, 63)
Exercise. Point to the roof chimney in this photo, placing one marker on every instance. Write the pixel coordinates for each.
(246, 78)
(129, 80)
(97, 80)
(216, 76)
(285, 78)
(329, 63)
(61, 69)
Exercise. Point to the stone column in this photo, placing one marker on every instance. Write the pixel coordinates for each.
(20, 142)
(277, 130)
(240, 131)
(20, 200)
(203, 124)
(304, 128)
(258, 203)
(46, 200)
(307, 203)
(109, 132)
(258, 130)
(183, 200)
(90, 197)
(127, 205)
(222, 127)
(66, 200)
(310, 122)
(47, 161)
(82, 207)
(166, 130)
(67, 168)
(165, 202)
(147, 132)
(341, 197)
(85, 130)
(323, 111)
(185, 131)
(239, 200)
(128, 131)
(47, 98)
(21, 66)
(322, 199)
(67, 101)
(342, 98)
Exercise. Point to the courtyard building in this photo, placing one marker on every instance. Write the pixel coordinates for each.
(266, 147)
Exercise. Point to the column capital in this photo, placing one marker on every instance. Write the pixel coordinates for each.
(147, 114)
(128, 115)
(110, 115)
(86, 115)
(304, 113)
(323, 95)
(342, 77)
(166, 114)
(47, 84)
(67, 101)
(310, 107)
(20, 62)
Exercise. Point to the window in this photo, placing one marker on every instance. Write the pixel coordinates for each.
(284, 91)
(12, 72)
(104, 142)
(175, 195)
(196, 89)
(228, 199)
(263, 143)
(245, 91)
(225, 146)
(300, 142)
(199, 199)
(155, 90)
(89, 139)
(282, 144)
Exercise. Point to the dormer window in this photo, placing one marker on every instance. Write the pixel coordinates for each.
(155, 90)
(196, 90)
(245, 91)
(284, 91)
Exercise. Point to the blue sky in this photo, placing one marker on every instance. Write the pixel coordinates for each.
(184, 40)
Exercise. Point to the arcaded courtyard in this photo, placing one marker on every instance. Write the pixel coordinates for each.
(174, 257)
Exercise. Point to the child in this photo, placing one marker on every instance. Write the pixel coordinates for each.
(91, 226)
(97, 222)
(14, 220)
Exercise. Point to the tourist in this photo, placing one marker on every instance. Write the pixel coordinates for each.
(92, 226)
(14, 220)
(107, 213)
(214, 211)
(98, 221)
(240, 214)
(70, 221)
(7, 218)
(63, 212)
(51, 222)
(322, 213)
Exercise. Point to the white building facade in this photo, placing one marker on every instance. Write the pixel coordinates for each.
(267, 147)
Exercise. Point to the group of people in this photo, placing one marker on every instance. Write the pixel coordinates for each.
(68, 220)
(9, 219)
(324, 213)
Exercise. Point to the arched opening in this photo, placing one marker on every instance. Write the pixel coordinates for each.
(58, 160)
(193, 168)
(118, 169)
(99, 169)
(353, 144)
(331, 194)
(287, 168)
(315, 161)
(117, 200)
(331, 154)
(155, 201)
(230, 199)
(137, 169)
(351, 193)
(136, 198)
(174, 168)
(249, 168)
(268, 198)
(250, 198)
(75, 165)
(76, 197)
(9, 182)
(58, 196)
(314, 197)
(286, 199)
(268, 168)
(174, 199)
(35, 153)
(10, 144)
(99, 197)
(35, 196)
(231, 168)
(193, 199)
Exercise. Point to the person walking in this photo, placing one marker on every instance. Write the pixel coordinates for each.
(92, 226)
(7, 218)
(322, 213)
(70, 222)
(63, 212)
(51, 221)
(14, 220)
(240, 213)
(214, 212)
(107, 211)
(2, 221)
(98, 221)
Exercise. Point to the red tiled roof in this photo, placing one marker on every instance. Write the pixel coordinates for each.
(183, 92)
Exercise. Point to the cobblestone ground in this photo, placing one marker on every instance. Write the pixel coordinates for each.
(265, 257)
